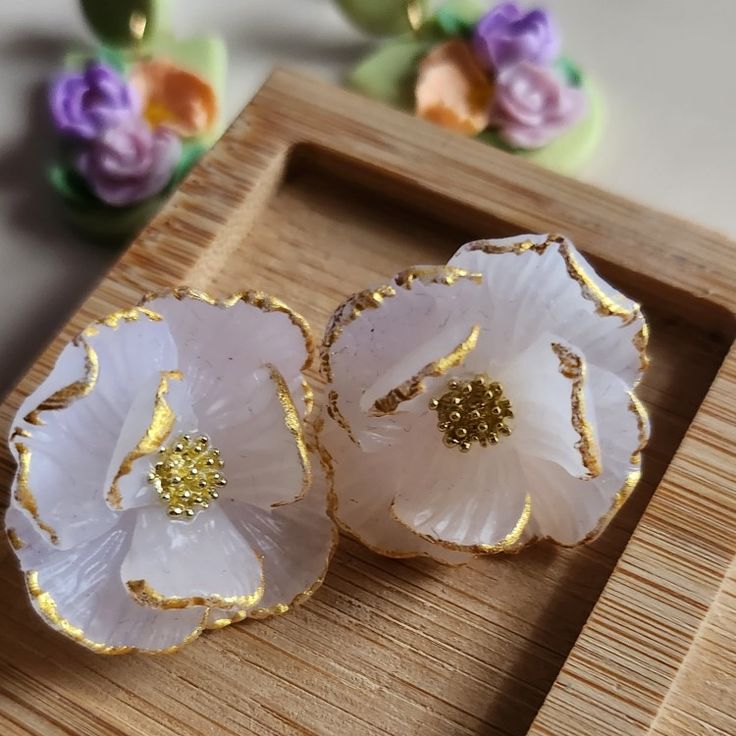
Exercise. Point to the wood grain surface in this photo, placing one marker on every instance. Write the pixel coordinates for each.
(312, 194)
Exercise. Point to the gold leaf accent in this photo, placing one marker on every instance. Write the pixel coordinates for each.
(414, 386)
(114, 319)
(258, 299)
(333, 409)
(46, 605)
(162, 422)
(444, 275)
(572, 367)
(62, 398)
(642, 423)
(146, 595)
(24, 495)
(503, 545)
(291, 420)
(522, 246)
(15, 541)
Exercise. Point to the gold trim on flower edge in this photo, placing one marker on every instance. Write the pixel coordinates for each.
(278, 609)
(162, 422)
(258, 299)
(294, 426)
(572, 367)
(24, 495)
(45, 604)
(146, 595)
(477, 549)
(414, 387)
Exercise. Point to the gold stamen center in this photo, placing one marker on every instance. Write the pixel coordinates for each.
(472, 410)
(187, 475)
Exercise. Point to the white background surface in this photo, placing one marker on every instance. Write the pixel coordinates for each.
(665, 68)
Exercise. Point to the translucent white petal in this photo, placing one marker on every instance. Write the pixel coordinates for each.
(79, 593)
(569, 510)
(476, 501)
(365, 485)
(202, 561)
(219, 341)
(296, 542)
(258, 432)
(543, 401)
(64, 460)
(379, 339)
(161, 411)
(534, 284)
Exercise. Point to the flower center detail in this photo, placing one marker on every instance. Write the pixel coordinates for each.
(187, 475)
(472, 410)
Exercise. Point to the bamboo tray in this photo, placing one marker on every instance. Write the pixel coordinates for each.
(314, 193)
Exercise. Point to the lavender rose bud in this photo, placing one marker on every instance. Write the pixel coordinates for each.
(130, 162)
(85, 103)
(506, 35)
(532, 105)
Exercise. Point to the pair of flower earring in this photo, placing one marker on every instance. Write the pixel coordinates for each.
(173, 476)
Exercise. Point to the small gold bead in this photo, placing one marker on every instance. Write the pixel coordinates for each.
(214, 494)
(210, 461)
(461, 432)
(221, 482)
(453, 383)
(464, 446)
(434, 404)
(483, 427)
(178, 447)
(496, 411)
(455, 416)
(467, 388)
(190, 512)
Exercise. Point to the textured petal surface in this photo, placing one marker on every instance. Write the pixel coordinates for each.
(296, 542)
(79, 593)
(202, 561)
(381, 338)
(219, 341)
(254, 423)
(537, 283)
(366, 485)
(571, 511)
(475, 502)
(64, 461)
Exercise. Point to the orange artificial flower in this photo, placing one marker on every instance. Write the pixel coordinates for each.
(175, 97)
(453, 90)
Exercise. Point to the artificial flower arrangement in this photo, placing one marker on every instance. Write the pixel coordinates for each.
(174, 476)
(132, 118)
(497, 75)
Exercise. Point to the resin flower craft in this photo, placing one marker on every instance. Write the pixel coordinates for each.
(132, 117)
(484, 404)
(165, 481)
(495, 73)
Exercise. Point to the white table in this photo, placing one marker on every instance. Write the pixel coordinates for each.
(665, 67)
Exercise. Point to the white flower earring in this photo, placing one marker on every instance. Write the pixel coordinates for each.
(165, 483)
(486, 403)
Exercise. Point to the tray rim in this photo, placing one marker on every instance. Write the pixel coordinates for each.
(711, 267)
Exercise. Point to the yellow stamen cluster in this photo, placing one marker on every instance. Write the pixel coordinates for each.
(472, 410)
(187, 475)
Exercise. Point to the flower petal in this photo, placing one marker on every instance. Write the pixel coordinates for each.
(68, 439)
(255, 425)
(79, 593)
(472, 502)
(540, 283)
(379, 339)
(205, 561)
(218, 341)
(572, 511)
(366, 484)
(160, 411)
(452, 90)
(296, 541)
(552, 419)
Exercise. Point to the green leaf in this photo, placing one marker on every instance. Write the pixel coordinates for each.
(389, 74)
(459, 17)
(570, 71)
(380, 17)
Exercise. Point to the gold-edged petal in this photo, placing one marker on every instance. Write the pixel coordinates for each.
(294, 426)
(572, 366)
(62, 398)
(162, 422)
(24, 496)
(146, 595)
(414, 386)
(45, 604)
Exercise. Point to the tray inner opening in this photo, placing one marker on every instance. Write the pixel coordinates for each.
(483, 643)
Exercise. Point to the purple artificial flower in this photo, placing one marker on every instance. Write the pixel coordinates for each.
(506, 35)
(533, 106)
(83, 104)
(130, 162)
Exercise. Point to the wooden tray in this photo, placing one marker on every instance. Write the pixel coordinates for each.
(312, 194)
